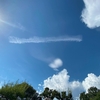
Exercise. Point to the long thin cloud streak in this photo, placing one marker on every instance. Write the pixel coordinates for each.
(19, 26)
(17, 40)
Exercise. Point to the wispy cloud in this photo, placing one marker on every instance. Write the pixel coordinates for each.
(91, 14)
(17, 40)
(39, 85)
(19, 26)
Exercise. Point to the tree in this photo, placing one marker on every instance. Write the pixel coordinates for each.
(54, 93)
(84, 96)
(30, 91)
(93, 94)
(50, 93)
(70, 96)
(97, 97)
(12, 90)
(46, 92)
(63, 94)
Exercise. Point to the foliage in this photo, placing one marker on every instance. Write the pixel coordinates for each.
(13, 90)
(54, 93)
(63, 94)
(93, 94)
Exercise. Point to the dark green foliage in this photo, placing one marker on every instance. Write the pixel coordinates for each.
(93, 94)
(84, 96)
(63, 94)
(46, 92)
(12, 90)
(97, 97)
(54, 93)
(70, 97)
(50, 93)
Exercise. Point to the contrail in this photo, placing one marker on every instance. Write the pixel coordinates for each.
(17, 40)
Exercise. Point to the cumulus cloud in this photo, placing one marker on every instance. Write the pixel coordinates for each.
(91, 80)
(56, 63)
(17, 40)
(91, 13)
(61, 82)
(76, 88)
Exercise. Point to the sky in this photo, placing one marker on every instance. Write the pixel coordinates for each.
(51, 43)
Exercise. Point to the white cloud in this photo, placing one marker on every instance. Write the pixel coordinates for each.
(91, 80)
(91, 13)
(45, 40)
(61, 82)
(56, 64)
(19, 26)
(76, 88)
(39, 85)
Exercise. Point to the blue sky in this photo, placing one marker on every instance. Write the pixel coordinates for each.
(52, 43)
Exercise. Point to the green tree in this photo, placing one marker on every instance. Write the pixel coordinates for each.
(54, 93)
(63, 93)
(97, 97)
(46, 92)
(12, 90)
(50, 93)
(93, 94)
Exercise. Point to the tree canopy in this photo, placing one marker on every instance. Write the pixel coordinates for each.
(54, 93)
(93, 94)
(24, 90)
(13, 90)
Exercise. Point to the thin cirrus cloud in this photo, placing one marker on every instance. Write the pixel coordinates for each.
(61, 82)
(91, 13)
(18, 26)
(35, 39)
